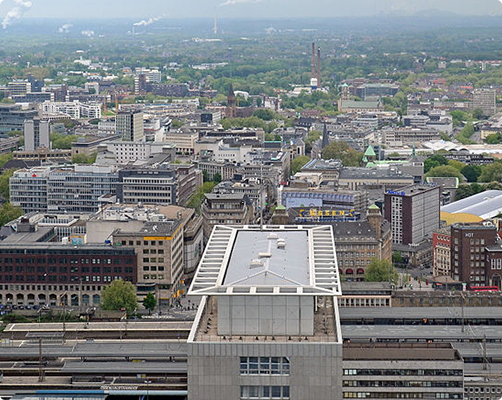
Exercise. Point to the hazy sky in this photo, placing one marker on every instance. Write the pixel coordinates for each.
(243, 8)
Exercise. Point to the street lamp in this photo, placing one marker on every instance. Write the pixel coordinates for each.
(147, 387)
(65, 294)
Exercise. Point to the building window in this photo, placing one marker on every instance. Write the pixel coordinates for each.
(264, 366)
(264, 392)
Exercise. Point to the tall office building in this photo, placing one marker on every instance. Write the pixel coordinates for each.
(486, 100)
(36, 134)
(130, 126)
(268, 325)
(468, 244)
(413, 212)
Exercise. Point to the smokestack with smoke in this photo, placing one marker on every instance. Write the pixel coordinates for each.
(312, 75)
(319, 67)
(235, 2)
(65, 28)
(16, 12)
(146, 22)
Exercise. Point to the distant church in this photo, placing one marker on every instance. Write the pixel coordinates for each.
(231, 110)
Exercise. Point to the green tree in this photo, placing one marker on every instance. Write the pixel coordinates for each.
(397, 258)
(298, 163)
(492, 186)
(444, 171)
(4, 158)
(340, 150)
(456, 164)
(4, 183)
(258, 101)
(217, 178)
(149, 302)
(197, 198)
(434, 161)
(491, 172)
(381, 271)
(269, 137)
(62, 141)
(477, 113)
(176, 123)
(118, 295)
(471, 172)
(8, 213)
(205, 176)
(465, 134)
(265, 114)
(458, 117)
(494, 138)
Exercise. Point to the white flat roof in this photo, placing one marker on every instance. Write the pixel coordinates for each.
(281, 260)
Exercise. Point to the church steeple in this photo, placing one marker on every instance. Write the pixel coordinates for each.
(231, 111)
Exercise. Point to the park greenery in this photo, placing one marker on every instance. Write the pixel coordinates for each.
(119, 295)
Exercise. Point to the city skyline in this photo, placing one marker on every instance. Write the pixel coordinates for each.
(13, 10)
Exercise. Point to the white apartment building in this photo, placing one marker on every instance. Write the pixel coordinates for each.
(126, 151)
(74, 109)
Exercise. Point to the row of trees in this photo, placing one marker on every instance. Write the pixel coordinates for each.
(440, 166)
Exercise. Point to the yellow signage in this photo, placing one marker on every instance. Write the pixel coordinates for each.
(314, 212)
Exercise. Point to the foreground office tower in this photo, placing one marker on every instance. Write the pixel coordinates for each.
(268, 324)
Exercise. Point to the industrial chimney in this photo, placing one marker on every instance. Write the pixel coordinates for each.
(318, 67)
(313, 61)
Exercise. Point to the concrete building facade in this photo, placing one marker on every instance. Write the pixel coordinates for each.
(129, 125)
(36, 134)
(273, 333)
(159, 246)
(486, 100)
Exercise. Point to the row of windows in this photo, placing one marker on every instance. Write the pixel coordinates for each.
(50, 260)
(145, 243)
(153, 276)
(264, 366)
(264, 392)
(402, 384)
(153, 259)
(64, 270)
(383, 395)
(364, 302)
(49, 287)
(404, 372)
(153, 251)
(355, 254)
(61, 278)
(153, 268)
(480, 390)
